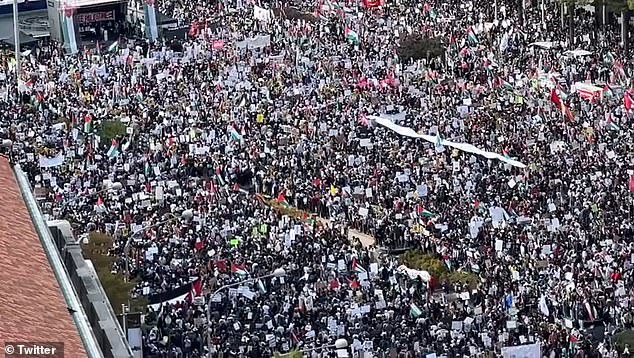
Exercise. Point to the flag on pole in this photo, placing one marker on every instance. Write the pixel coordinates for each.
(627, 100)
(414, 311)
(238, 269)
(88, 124)
(113, 152)
(471, 35)
(261, 287)
(195, 291)
(356, 267)
(114, 47)
(351, 36)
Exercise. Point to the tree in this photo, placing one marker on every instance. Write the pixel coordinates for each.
(118, 291)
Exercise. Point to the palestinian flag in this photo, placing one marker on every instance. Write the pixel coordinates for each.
(196, 290)
(414, 311)
(261, 287)
(281, 198)
(424, 212)
(351, 36)
(238, 269)
(356, 267)
(113, 152)
(114, 47)
(88, 124)
(471, 35)
(627, 100)
(234, 134)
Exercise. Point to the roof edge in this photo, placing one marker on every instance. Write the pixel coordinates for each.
(48, 245)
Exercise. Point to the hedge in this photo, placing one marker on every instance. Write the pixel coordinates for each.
(418, 260)
(117, 290)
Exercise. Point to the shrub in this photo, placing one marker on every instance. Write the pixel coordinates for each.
(418, 260)
(624, 338)
(285, 209)
(291, 354)
(114, 285)
(415, 47)
(110, 130)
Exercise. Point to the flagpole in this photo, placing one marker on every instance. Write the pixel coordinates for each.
(16, 40)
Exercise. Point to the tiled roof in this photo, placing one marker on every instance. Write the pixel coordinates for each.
(32, 308)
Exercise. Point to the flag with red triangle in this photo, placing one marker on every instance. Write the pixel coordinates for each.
(195, 291)
(199, 245)
(238, 269)
(334, 284)
(353, 283)
(627, 100)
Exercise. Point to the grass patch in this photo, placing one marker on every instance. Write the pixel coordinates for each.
(421, 261)
(117, 290)
(292, 354)
(624, 338)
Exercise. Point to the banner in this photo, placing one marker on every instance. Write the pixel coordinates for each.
(151, 28)
(525, 351)
(68, 30)
(50, 162)
(465, 147)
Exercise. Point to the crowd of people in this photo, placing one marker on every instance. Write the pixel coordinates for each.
(308, 143)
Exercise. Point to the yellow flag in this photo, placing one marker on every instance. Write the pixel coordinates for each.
(259, 118)
(333, 190)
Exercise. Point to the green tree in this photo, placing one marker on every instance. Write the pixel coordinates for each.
(111, 129)
(116, 288)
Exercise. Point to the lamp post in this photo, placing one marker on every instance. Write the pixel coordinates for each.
(185, 215)
(278, 272)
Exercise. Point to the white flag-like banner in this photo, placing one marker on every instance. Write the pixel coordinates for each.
(524, 351)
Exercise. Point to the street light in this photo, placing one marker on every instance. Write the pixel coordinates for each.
(278, 272)
(185, 215)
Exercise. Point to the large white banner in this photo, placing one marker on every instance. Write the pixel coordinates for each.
(525, 351)
(465, 147)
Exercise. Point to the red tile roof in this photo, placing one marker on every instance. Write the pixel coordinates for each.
(32, 308)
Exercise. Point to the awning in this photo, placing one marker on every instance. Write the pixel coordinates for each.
(24, 39)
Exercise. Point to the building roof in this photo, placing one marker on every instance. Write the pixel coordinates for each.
(32, 308)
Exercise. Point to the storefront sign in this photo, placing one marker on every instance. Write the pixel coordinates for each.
(91, 17)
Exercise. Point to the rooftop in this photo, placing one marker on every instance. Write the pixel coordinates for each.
(32, 308)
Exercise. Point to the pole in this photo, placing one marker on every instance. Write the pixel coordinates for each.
(123, 320)
(209, 345)
(16, 40)
(496, 9)
(543, 15)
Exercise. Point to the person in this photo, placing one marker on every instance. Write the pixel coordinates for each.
(285, 137)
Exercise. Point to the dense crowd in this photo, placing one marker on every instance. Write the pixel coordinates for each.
(284, 139)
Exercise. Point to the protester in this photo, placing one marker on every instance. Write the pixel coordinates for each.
(276, 135)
